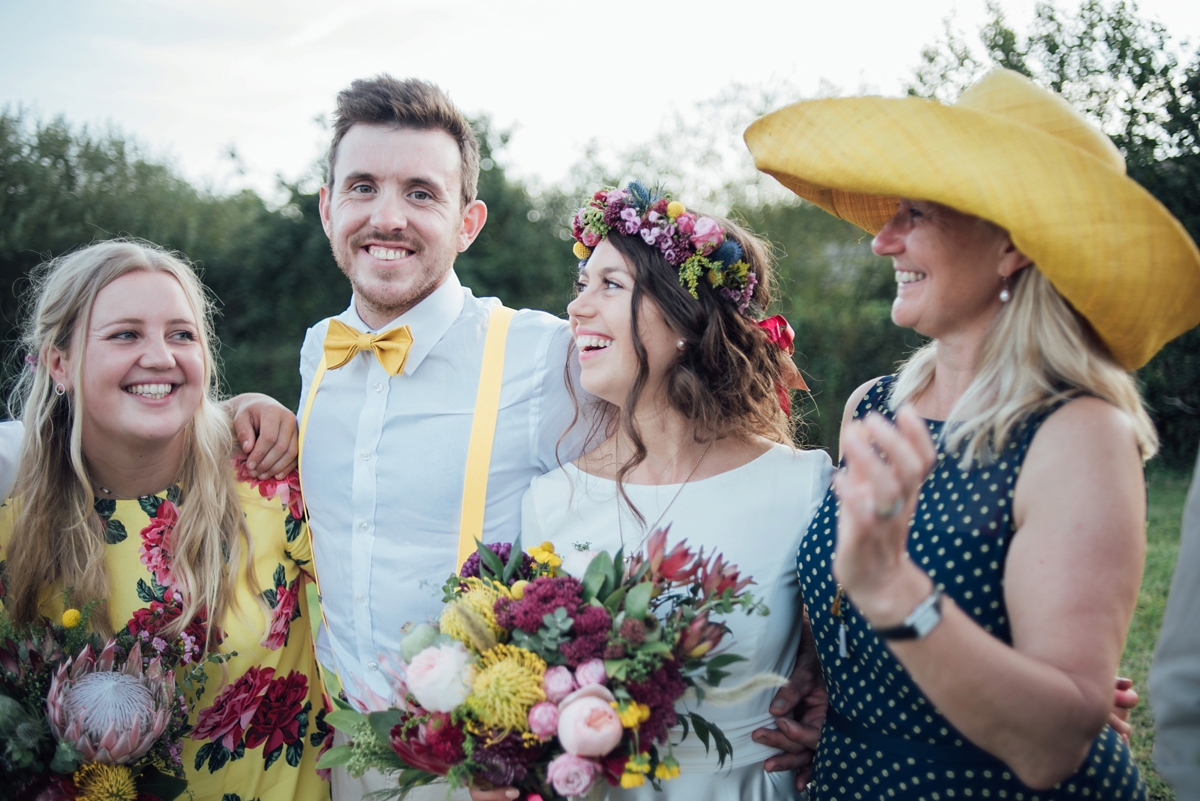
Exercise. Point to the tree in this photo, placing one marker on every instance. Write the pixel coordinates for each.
(1125, 73)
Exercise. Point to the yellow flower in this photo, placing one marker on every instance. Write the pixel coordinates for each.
(472, 618)
(71, 618)
(97, 782)
(517, 590)
(667, 769)
(631, 714)
(544, 554)
(631, 780)
(582, 251)
(508, 681)
(674, 209)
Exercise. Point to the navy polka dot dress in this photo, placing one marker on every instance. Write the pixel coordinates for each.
(882, 738)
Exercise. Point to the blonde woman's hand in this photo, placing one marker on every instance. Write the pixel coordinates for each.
(885, 466)
(495, 794)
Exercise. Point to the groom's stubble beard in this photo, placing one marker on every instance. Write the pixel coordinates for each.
(430, 270)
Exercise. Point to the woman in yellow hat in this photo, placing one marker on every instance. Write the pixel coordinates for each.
(973, 572)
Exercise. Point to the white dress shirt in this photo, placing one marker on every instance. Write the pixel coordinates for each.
(11, 432)
(385, 457)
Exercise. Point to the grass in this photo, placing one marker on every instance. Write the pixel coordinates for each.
(1166, 495)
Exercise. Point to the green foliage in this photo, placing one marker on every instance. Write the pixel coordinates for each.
(1125, 73)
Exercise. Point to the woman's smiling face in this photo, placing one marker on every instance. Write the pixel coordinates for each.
(602, 323)
(143, 363)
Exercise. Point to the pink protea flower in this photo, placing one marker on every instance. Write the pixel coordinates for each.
(110, 714)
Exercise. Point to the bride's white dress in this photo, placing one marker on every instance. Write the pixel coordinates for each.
(755, 515)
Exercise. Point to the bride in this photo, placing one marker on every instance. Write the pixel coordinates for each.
(692, 394)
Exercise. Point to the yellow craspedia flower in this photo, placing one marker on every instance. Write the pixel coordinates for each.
(581, 250)
(508, 681)
(667, 769)
(544, 554)
(97, 782)
(639, 763)
(472, 618)
(71, 618)
(674, 209)
(517, 590)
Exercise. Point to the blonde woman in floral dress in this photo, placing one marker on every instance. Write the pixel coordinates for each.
(126, 495)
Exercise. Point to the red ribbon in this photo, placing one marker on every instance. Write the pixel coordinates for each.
(780, 332)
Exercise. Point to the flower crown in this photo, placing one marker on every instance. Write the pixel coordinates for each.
(696, 245)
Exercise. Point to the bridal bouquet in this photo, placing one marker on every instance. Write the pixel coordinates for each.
(85, 719)
(550, 683)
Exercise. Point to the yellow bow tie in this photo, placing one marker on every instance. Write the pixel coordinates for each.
(343, 343)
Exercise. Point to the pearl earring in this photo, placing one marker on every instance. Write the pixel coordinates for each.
(681, 344)
(1005, 295)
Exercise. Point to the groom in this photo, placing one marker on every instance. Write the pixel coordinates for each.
(388, 431)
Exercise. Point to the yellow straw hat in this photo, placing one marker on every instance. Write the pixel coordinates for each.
(1019, 156)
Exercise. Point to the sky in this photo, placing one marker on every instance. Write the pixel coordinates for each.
(192, 81)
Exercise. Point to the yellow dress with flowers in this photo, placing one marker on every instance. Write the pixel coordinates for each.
(257, 735)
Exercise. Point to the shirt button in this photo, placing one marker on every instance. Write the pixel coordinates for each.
(358, 598)
(378, 387)
(372, 666)
(362, 526)
(365, 455)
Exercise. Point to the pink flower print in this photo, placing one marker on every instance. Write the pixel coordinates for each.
(155, 551)
(281, 616)
(232, 710)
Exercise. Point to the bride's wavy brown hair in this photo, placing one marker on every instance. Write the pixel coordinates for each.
(725, 378)
(58, 537)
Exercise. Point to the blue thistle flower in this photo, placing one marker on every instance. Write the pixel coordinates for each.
(729, 252)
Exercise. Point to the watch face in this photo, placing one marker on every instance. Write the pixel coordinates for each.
(927, 615)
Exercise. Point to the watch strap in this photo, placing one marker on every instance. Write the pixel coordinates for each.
(923, 619)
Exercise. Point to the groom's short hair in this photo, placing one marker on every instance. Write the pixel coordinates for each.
(411, 103)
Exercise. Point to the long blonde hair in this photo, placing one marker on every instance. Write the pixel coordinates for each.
(1037, 351)
(58, 534)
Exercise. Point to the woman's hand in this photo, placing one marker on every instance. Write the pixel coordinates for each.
(495, 794)
(799, 710)
(878, 488)
(1124, 700)
(267, 433)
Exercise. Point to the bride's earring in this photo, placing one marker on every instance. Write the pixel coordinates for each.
(681, 344)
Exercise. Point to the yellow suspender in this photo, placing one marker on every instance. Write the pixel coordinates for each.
(483, 434)
(479, 451)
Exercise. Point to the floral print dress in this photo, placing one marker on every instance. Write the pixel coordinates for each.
(257, 735)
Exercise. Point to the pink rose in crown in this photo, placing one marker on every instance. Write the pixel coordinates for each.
(686, 223)
(706, 234)
(587, 723)
(590, 239)
(571, 775)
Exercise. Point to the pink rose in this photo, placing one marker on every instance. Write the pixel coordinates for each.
(591, 672)
(543, 719)
(558, 683)
(588, 726)
(571, 775)
(590, 239)
(707, 234)
(437, 677)
(686, 223)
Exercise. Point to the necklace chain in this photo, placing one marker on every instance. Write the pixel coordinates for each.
(648, 531)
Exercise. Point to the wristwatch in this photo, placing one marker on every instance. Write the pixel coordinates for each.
(922, 620)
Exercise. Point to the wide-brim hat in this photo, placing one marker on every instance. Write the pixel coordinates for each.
(1021, 157)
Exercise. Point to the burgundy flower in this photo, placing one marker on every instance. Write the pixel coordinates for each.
(233, 709)
(659, 691)
(470, 568)
(415, 753)
(275, 722)
(445, 740)
(282, 616)
(590, 632)
(505, 762)
(155, 551)
(542, 597)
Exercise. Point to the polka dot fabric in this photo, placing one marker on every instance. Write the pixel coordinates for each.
(883, 739)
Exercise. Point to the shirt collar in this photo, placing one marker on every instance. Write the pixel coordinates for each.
(429, 320)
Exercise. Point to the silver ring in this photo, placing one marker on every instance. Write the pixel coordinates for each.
(891, 511)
